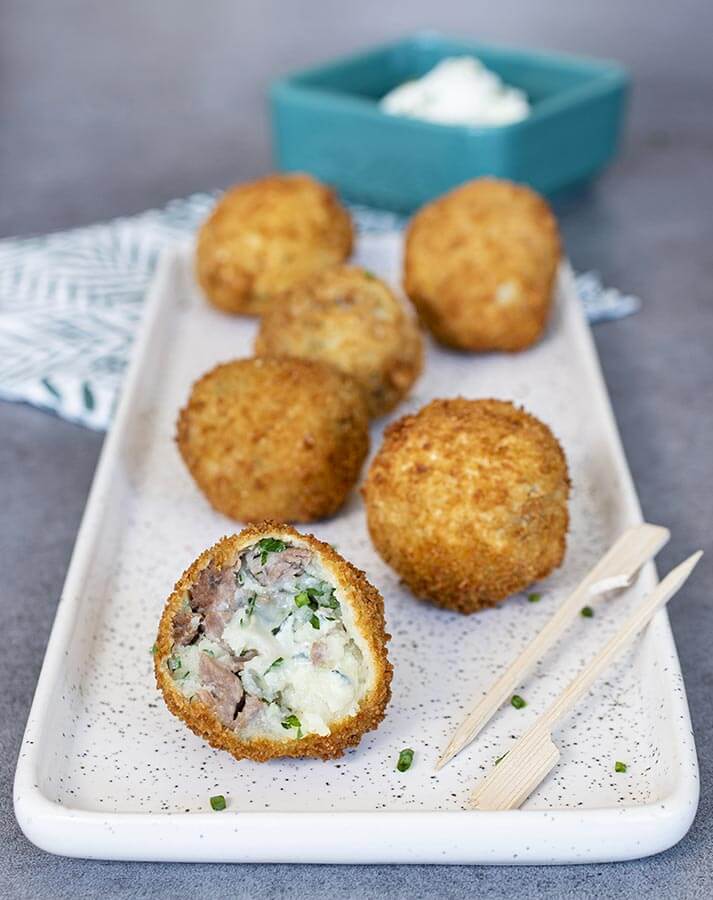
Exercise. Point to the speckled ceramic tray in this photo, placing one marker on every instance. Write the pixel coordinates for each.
(106, 771)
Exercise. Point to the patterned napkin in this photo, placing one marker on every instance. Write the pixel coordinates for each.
(70, 303)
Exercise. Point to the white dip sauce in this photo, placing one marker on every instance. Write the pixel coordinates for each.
(458, 91)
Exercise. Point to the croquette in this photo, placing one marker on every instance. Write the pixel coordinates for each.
(273, 645)
(480, 265)
(265, 236)
(348, 317)
(276, 438)
(467, 501)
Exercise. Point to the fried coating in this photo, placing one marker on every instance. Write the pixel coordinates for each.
(480, 265)
(349, 318)
(366, 619)
(265, 236)
(467, 500)
(274, 438)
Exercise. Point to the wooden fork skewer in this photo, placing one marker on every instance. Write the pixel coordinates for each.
(616, 568)
(534, 755)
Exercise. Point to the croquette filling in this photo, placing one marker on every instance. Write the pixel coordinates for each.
(268, 646)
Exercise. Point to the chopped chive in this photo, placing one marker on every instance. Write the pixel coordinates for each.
(534, 598)
(330, 600)
(587, 612)
(405, 760)
(273, 665)
(218, 802)
(173, 663)
(314, 621)
(276, 628)
(270, 545)
(291, 722)
(501, 758)
(249, 609)
(154, 650)
(305, 598)
(620, 766)
(517, 701)
(239, 578)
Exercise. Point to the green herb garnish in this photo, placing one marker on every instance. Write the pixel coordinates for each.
(405, 760)
(239, 578)
(274, 665)
(534, 598)
(314, 621)
(173, 663)
(302, 599)
(501, 758)
(249, 609)
(218, 802)
(368, 274)
(153, 650)
(330, 600)
(291, 722)
(517, 701)
(270, 545)
(587, 612)
(620, 766)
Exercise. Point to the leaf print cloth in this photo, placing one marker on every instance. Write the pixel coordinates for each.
(70, 303)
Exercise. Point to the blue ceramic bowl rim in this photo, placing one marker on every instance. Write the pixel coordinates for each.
(605, 75)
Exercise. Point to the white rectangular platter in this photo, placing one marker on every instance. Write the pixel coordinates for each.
(105, 771)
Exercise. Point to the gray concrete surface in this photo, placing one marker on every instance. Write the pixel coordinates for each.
(110, 108)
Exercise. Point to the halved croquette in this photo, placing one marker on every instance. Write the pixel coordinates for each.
(272, 644)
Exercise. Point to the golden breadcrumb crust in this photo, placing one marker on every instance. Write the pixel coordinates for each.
(480, 265)
(265, 236)
(274, 438)
(349, 318)
(467, 500)
(368, 608)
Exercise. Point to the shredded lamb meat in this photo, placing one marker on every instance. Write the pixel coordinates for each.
(290, 562)
(224, 690)
(213, 595)
(185, 627)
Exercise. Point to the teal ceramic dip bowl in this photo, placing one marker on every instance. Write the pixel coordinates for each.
(326, 121)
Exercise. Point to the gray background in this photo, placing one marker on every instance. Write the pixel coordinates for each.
(108, 108)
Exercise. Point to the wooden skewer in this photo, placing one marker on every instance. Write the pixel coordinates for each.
(534, 754)
(615, 569)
